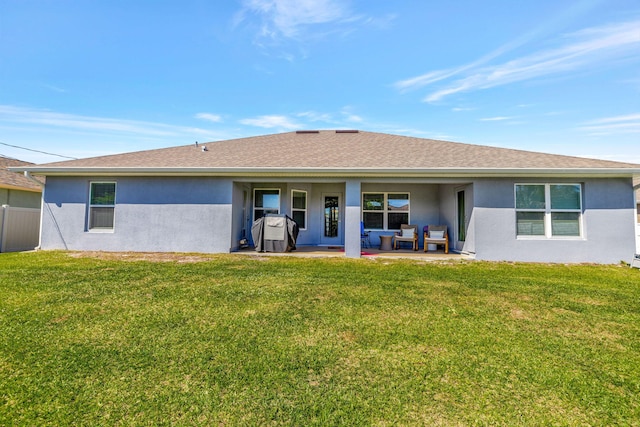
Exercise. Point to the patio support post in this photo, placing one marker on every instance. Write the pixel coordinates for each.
(352, 219)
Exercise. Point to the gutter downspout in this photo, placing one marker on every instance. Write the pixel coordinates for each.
(30, 177)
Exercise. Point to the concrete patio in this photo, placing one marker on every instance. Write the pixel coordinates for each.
(338, 251)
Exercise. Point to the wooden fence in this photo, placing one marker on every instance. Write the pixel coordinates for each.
(19, 229)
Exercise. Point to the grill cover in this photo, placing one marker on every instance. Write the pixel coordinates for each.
(274, 233)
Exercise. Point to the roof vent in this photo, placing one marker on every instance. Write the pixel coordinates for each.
(307, 131)
(347, 131)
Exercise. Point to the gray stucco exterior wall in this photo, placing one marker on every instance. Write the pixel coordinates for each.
(448, 209)
(152, 214)
(608, 224)
(208, 214)
(352, 219)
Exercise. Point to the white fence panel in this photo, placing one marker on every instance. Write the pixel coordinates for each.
(19, 229)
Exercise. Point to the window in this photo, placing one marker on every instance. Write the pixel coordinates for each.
(385, 211)
(548, 210)
(102, 203)
(265, 201)
(299, 208)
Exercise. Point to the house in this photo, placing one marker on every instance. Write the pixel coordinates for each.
(20, 200)
(498, 204)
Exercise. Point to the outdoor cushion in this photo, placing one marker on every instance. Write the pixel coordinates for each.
(408, 232)
(436, 235)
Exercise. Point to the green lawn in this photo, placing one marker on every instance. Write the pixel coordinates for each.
(237, 340)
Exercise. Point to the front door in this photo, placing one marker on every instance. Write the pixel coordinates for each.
(332, 219)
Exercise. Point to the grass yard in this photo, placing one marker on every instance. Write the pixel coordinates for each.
(235, 340)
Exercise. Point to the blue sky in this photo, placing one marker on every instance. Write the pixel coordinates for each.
(87, 78)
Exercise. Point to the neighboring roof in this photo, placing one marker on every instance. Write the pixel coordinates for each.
(16, 180)
(336, 153)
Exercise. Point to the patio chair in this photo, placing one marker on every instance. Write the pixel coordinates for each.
(408, 233)
(436, 235)
(364, 237)
(636, 261)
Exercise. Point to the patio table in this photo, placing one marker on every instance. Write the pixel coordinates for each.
(385, 243)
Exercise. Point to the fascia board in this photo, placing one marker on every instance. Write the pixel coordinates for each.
(330, 172)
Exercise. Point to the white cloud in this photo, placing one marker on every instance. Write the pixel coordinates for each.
(216, 118)
(345, 115)
(626, 118)
(304, 119)
(73, 122)
(590, 47)
(626, 124)
(436, 76)
(54, 88)
(285, 29)
(81, 136)
(271, 121)
(288, 17)
(314, 116)
(423, 80)
(349, 116)
(495, 119)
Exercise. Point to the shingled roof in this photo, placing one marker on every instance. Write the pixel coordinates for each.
(15, 180)
(331, 151)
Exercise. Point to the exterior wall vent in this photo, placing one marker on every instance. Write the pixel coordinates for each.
(307, 131)
(347, 131)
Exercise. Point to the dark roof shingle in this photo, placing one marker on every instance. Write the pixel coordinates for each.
(329, 149)
(16, 180)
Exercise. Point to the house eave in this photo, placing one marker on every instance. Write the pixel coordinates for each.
(19, 188)
(331, 172)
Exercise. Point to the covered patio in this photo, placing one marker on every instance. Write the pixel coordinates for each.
(332, 213)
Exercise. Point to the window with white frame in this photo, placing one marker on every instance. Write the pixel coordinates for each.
(299, 208)
(265, 201)
(549, 210)
(102, 204)
(385, 211)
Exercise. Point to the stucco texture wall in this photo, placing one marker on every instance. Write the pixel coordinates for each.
(608, 224)
(182, 214)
